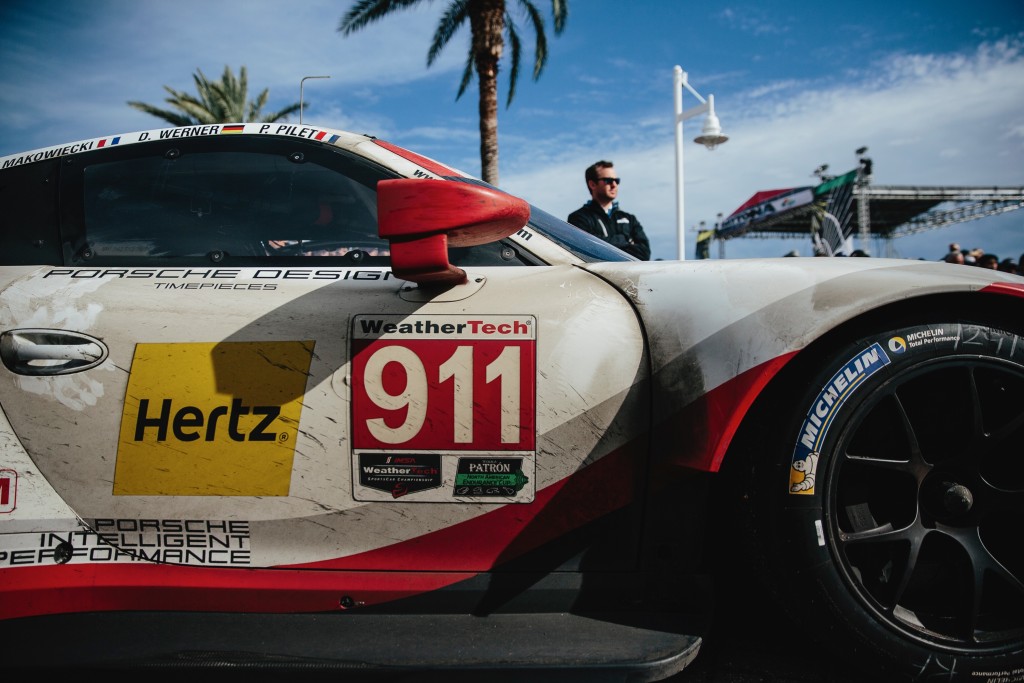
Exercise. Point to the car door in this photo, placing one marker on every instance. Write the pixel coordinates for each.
(257, 409)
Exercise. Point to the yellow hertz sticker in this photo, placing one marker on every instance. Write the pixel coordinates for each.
(216, 419)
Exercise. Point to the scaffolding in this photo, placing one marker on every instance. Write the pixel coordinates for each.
(886, 212)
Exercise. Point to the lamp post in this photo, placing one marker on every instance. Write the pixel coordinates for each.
(710, 136)
(863, 209)
(301, 84)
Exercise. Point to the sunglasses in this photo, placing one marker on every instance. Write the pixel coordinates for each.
(609, 181)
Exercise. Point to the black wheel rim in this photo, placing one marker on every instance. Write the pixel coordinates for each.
(925, 502)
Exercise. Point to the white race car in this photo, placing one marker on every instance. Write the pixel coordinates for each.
(289, 396)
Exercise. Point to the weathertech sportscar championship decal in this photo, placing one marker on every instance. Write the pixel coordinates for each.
(819, 419)
(439, 403)
(399, 475)
(211, 419)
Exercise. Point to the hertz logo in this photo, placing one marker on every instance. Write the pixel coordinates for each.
(190, 423)
(212, 419)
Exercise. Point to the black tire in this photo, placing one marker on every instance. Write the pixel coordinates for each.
(893, 525)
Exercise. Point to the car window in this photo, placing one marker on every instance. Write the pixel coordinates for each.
(28, 214)
(224, 205)
(236, 202)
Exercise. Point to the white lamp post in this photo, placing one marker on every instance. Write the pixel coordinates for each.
(301, 84)
(710, 136)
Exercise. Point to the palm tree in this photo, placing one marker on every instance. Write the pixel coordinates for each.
(490, 22)
(222, 101)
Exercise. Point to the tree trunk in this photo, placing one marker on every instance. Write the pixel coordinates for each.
(487, 20)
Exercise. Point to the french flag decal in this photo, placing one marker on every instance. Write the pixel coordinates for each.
(321, 134)
(111, 141)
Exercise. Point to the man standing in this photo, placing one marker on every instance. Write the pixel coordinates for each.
(601, 215)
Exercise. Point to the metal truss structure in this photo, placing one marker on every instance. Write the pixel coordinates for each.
(891, 211)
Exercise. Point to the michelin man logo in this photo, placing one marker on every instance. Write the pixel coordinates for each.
(807, 467)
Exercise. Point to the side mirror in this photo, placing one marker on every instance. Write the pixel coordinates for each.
(422, 217)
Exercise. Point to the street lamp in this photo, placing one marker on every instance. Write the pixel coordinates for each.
(302, 83)
(710, 136)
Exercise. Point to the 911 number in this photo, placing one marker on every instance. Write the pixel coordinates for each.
(443, 394)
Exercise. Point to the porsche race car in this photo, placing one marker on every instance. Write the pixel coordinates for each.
(285, 395)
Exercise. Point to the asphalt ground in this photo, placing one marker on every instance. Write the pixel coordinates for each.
(751, 643)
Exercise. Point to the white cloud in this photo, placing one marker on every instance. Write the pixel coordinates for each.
(927, 120)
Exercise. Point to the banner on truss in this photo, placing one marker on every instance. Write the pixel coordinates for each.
(831, 222)
(764, 205)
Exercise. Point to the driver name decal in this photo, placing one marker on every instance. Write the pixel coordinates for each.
(444, 386)
(211, 419)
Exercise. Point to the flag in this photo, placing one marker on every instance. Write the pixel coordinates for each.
(704, 243)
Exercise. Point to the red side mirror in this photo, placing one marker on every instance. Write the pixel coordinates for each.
(422, 217)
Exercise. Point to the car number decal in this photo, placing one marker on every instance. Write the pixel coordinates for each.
(427, 389)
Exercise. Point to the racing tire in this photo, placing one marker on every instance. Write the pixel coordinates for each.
(892, 527)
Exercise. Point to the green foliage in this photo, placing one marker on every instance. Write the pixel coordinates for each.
(492, 26)
(222, 101)
(364, 12)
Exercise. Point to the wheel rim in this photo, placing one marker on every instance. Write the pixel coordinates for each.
(925, 502)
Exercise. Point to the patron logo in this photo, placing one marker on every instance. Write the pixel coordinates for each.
(489, 477)
(211, 419)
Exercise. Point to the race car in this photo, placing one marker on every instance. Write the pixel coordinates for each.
(287, 396)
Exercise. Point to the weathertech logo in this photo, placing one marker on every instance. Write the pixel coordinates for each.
(211, 419)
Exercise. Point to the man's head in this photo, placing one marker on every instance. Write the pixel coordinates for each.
(990, 261)
(602, 182)
(955, 257)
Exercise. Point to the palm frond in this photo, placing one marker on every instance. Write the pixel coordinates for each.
(540, 49)
(467, 74)
(222, 101)
(560, 12)
(453, 18)
(517, 48)
(171, 117)
(366, 12)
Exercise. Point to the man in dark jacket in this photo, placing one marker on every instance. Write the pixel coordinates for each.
(601, 215)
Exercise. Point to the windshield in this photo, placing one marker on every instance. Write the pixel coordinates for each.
(590, 248)
(587, 247)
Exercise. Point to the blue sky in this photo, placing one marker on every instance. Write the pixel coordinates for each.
(933, 88)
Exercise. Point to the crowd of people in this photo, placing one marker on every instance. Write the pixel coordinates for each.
(983, 259)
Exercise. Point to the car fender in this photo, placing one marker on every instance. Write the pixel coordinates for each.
(717, 335)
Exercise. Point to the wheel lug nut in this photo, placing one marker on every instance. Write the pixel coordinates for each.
(957, 498)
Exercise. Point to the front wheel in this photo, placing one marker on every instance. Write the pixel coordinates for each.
(895, 518)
